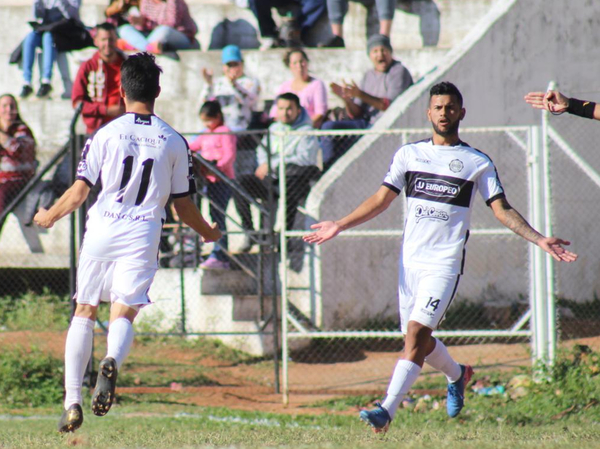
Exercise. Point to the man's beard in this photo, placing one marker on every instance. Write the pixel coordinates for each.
(452, 130)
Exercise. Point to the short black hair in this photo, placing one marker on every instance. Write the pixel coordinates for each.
(446, 88)
(140, 77)
(106, 26)
(211, 109)
(289, 96)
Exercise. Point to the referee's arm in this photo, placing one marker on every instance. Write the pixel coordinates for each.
(70, 201)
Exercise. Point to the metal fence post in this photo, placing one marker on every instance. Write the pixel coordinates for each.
(538, 266)
(550, 294)
(284, 281)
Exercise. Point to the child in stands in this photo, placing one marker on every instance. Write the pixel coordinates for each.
(220, 149)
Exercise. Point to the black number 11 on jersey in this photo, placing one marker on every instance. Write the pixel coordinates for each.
(127, 170)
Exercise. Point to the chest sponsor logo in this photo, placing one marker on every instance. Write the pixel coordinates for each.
(437, 188)
(456, 166)
(423, 161)
(430, 213)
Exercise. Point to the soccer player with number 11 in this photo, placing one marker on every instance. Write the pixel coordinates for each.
(142, 162)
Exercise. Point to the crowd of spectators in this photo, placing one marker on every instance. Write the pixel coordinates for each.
(230, 101)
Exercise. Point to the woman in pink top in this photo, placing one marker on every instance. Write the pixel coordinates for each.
(220, 149)
(311, 91)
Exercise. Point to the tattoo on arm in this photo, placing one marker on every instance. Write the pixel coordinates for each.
(514, 221)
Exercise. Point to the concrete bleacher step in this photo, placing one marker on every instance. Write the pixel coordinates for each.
(236, 317)
(248, 308)
(182, 84)
(417, 23)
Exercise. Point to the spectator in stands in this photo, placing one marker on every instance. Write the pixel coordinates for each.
(236, 93)
(98, 81)
(311, 91)
(220, 149)
(337, 10)
(365, 104)
(160, 26)
(308, 14)
(46, 12)
(118, 13)
(300, 156)
(17, 152)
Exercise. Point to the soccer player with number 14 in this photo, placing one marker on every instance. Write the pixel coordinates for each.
(440, 177)
(142, 162)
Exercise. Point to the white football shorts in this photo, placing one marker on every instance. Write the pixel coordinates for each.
(108, 281)
(425, 296)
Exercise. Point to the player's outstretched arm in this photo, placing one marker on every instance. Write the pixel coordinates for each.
(514, 221)
(67, 203)
(369, 209)
(557, 103)
(190, 215)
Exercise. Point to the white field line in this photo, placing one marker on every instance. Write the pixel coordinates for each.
(263, 422)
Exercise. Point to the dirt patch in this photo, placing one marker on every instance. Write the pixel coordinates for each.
(252, 386)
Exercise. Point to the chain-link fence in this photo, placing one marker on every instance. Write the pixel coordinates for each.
(574, 182)
(340, 332)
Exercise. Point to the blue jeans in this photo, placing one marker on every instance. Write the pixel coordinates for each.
(337, 10)
(219, 193)
(32, 41)
(168, 36)
(333, 146)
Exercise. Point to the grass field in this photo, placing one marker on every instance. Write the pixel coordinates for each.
(159, 424)
(564, 413)
(176, 393)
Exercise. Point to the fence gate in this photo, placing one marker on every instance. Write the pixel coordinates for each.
(340, 328)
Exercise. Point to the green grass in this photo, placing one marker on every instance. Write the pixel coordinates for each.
(560, 413)
(35, 312)
(165, 425)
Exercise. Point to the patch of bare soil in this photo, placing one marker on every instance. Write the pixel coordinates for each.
(251, 386)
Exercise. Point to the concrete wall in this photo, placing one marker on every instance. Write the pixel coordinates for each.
(520, 46)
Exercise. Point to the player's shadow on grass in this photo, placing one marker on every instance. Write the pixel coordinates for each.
(343, 350)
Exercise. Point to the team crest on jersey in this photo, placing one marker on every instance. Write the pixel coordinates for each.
(430, 213)
(437, 187)
(456, 166)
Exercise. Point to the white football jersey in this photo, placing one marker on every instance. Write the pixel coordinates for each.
(440, 183)
(141, 162)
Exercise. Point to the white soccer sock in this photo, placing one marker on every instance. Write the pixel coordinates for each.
(78, 349)
(405, 375)
(119, 340)
(441, 360)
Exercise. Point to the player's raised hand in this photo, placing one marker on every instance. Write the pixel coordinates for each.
(326, 230)
(214, 235)
(42, 219)
(554, 247)
(552, 101)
